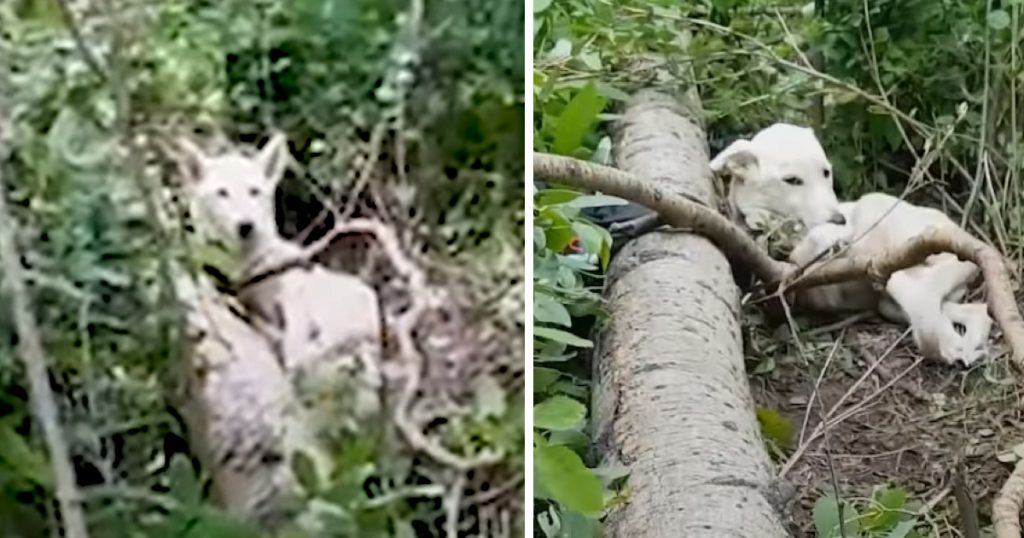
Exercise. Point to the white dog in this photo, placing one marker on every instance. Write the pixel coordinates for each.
(325, 322)
(783, 172)
(241, 411)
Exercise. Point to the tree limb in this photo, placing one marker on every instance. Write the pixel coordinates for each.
(676, 210)
(679, 211)
(1007, 505)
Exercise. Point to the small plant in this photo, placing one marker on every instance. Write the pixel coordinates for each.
(571, 495)
(887, 514)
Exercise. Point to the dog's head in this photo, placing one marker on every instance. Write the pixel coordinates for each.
(233, 194)
(781, 172)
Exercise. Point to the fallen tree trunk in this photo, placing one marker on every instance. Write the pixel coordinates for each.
(672, 400)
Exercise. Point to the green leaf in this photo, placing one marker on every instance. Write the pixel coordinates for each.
(564, 337)
(826, 518)
(548, 310)
(574, 440)
(305, 472)
(590, 235)
(559, 233)
(611, 473)
(887, 508)
(558, 413)
(576, 119)
(766, 366)
(22, 459)
(550, 197)
(544, 377)
(905, 529)
(596, 200)
(217, 524)
(567, 480)
(489, 397)
(998, 19)
(404, 529)
(776, 427)
(540, 5)
(576, 525)
(606, 254)
(184, 486)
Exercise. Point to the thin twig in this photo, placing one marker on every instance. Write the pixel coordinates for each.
(88, 56)
(976, 180)
(30, 346)
(453, 502)
(832, 422)
(816, 395)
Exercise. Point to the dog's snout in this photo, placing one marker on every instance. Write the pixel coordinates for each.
(245, 230)
(837, 218)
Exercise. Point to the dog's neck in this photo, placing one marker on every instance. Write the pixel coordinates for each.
(267, 256)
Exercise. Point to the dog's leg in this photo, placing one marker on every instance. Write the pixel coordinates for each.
(923, 293)
(933, 331)
(949, 276)
(818, 240)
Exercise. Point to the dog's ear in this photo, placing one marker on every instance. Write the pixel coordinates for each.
(273, 158)
(190, 159)
(738, 160)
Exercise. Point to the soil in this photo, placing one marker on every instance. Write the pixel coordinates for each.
(912, 423)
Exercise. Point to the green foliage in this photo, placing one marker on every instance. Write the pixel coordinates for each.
(897, 81)
(570, 495)
(777, 430)
(885, 515)
(83, 168)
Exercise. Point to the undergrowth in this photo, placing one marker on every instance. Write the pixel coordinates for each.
(427, 105)
(914, 97)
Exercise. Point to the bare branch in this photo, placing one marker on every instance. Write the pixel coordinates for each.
(740, 248)
(675, 210)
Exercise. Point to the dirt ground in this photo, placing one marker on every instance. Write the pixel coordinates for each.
(909, 423)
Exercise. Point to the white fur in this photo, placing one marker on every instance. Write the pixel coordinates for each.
(760, 167)
(242, 414)
(925, 296)
(323, 321)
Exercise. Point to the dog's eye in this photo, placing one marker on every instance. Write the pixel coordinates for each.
(254, 192)
(793, 180)
(827, 172)
(223, 193)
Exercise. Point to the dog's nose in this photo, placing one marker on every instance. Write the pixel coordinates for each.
(837, 218)
(245, 230)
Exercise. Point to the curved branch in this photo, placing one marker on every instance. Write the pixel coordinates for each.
(676, 211)
(1007, 506)
(740, 248)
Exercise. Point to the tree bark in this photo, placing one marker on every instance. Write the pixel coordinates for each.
(672, 401)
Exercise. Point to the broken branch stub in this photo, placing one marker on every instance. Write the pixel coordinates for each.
(672, 399)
